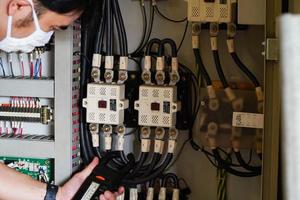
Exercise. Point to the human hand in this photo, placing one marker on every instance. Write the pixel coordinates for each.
(68, 190)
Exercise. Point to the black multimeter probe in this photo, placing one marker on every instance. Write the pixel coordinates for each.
(103, 178)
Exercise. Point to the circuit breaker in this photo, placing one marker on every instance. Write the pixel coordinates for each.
(210, 11)
(157, 106)
(105, 103)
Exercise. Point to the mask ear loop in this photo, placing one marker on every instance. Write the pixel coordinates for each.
(34, 16)
(9, 26)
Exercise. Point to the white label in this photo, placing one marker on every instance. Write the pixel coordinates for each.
(107, 142)
(120, 145)
(150, 194)
(248, 120)
(121, 197)
(162, 194)
(95, 140)
(145, 147)
(133, 194)
(158, 147)
(91, 191)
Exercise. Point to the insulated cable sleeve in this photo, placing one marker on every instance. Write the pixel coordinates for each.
(101, 30)
(109, 28)
(150, 45)
(138, 165)
(201, 67)
(219, 68)
(145, 21)
(242, 162)
(156, 172)
(122, 27)
(225, 166)
(171, 43)
(245, 69)
(119, 29)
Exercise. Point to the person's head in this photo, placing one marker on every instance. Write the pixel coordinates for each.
(52, 15)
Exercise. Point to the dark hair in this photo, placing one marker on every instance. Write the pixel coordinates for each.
(62, 6)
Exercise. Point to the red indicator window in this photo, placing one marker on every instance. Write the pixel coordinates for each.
(102, 104)
(155, 106)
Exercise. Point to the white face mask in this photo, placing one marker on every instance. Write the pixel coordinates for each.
(27, 44)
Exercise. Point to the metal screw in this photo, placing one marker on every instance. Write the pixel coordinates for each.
(95, 74)
(145, 131)
(174, 77)
(121, 129)
(122, 76)
(93, 127)
(108, 75)
(196, 28)
(159, 131)
(146, 76)
(106, 128)
(173, 133)
(159, 77)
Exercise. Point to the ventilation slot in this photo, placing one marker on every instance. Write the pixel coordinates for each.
(113, 118)
(92, 91)
(195, 11)
(144, 119)
(167, 94)
(209, 12)
(155, 93)
(102, 117)
(155, 119)
(166, 120)
(144, 93)
(223, 12)
(102, 91)
(92, 116)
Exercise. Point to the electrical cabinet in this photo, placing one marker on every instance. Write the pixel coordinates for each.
(153, 108)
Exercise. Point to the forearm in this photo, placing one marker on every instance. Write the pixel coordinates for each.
(15, 186)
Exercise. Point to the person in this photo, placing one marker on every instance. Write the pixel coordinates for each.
(24, 25)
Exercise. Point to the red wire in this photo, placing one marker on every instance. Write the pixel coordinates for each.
(31, 69)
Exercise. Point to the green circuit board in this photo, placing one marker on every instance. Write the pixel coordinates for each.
(38, 169)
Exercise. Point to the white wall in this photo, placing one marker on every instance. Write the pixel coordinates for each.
(193, 166)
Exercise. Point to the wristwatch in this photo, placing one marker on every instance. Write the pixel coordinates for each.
(51, 192)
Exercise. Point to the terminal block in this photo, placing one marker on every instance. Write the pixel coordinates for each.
(105, 103)
(42, 115)
(219, 11)
(157, 106)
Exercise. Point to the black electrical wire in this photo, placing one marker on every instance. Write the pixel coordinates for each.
(121, 28)
(156, 172)
(167, 18)
(101, 30)
(243, 164)
(171, 43)
(2, 67)
(171, 176)
(183, 36)
(139, 164)
(175, 160)
(145, 27)
(219, 68)
(11, 69)
(201, 67)
(245, 69)
(223, 164)
(109, 28)
(148, 35)
(150, 45)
